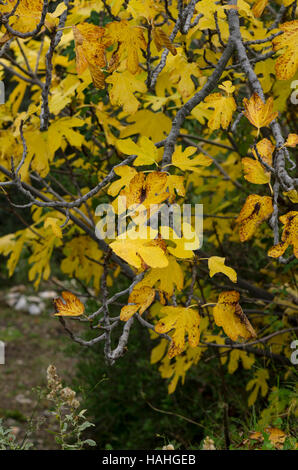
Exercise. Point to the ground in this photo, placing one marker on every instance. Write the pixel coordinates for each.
(32, 343)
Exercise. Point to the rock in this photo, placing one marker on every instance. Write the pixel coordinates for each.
(33, 298)
(34, 309)
(20, 288)
(22, 303)
(12, 298)
(48, 294)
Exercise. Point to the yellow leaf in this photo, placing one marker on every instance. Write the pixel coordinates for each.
(224, 107)
(259, 383)
(90, 51)
(144, 8)
(181, 241)
(255, 210)
(259, 7)
(260, 114)
(79, 254)
(289, 235)
(161, 40)
(131, 41)
(53, 223)
(148, 123)
(254, 171)
(122, 93)
(292, 195)
(184, 321)
(181, 159)
(70, 306)
(227, 87)
(175, 183)
(26, 16)
(139, 300)
(158, 352)
(292, 140)
(144, 190)
(166, 278)
(140, 250)
(228, 314)
(145, 150)
(286, 65)
(235, 356)
(126, 174)
(217, 265)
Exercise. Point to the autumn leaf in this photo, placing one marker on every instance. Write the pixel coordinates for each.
(277, 437)
(184, 243)
(165, 279)
(259, 7)
(70, 306)
(289, 235)
(137, 249)
(131, 41)
(254, 171)
(145, 122)
(158, 352)
(260, 114)
(216, 264)
(258, 384)
(161, 40)
(175, 184)
(126, 174)
(181, 159)
(287, 63)
(139, 300)
(292, 140)
(54, 224)
(292, 195)
(255, 210)
(144, 9)
(228, 314)
(145, 150)
(224, 107)
(145, 190)
(184, 321)
(124, 87)
(227, 87)
(26, 16)
(236, 355)
(90, 51)
(6, 37)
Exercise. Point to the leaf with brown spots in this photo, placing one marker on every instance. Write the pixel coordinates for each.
(229, 315)
(255, 210)
(90, 51)
(289, 235)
